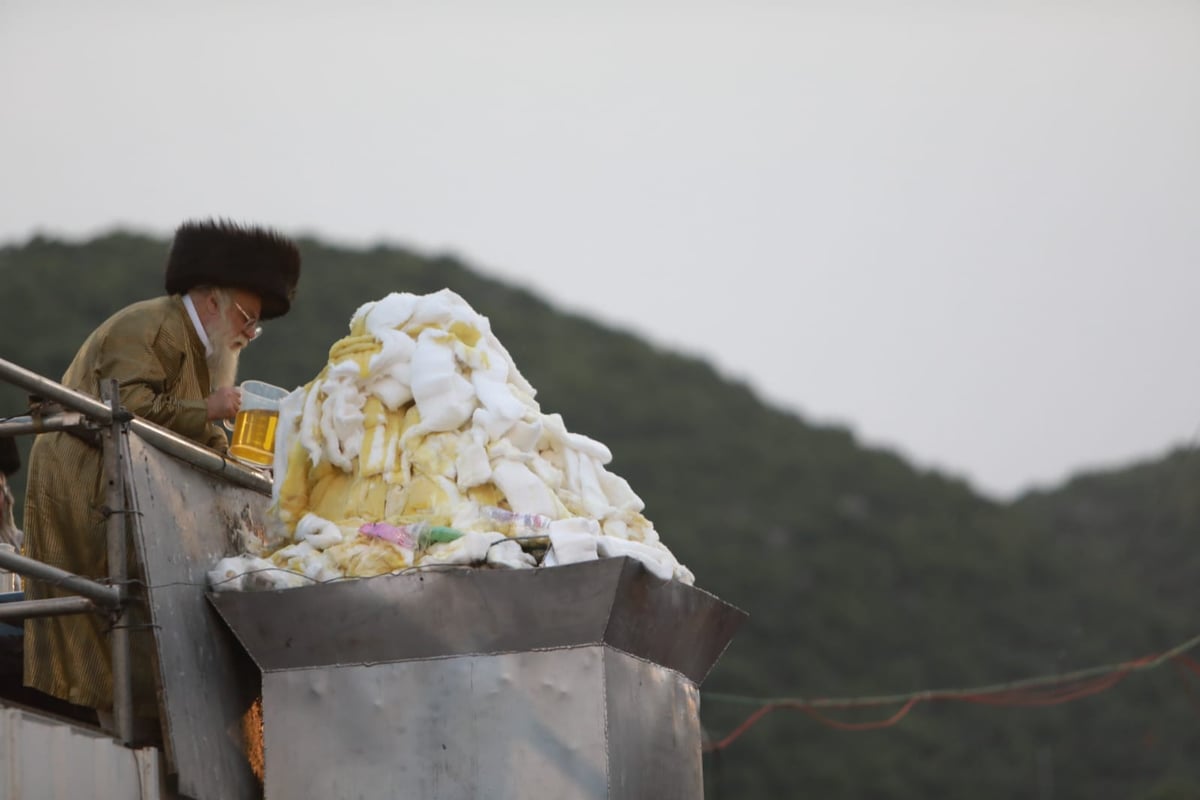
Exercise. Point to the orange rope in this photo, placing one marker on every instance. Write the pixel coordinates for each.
(1067, 689)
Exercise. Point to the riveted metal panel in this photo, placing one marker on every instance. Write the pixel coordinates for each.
(425, 614)
(670, 623)
(467, 611)
(520, 726)
(654, 735)
(186, 523)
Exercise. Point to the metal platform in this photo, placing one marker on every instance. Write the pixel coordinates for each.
(578, 681)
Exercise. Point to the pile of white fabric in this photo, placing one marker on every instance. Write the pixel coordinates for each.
(421, 444)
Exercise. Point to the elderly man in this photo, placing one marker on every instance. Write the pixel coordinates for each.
(175, 360)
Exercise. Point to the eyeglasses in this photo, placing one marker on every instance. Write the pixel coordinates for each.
(251, 325)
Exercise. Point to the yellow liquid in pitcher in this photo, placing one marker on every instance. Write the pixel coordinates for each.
(254, 437)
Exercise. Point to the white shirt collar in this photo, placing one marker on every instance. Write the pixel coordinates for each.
(191, 309)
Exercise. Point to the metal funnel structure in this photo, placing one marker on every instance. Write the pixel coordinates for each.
(578, 681)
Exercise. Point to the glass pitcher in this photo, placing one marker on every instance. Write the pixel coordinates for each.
(253, 440)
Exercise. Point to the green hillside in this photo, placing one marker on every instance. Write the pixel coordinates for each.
(862, 574)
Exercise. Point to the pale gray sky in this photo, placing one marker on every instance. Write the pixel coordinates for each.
(969, 230)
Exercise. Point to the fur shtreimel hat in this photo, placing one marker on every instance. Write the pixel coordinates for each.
(10, 459)
(224, 254)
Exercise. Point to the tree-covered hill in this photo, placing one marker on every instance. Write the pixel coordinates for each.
(862, 574)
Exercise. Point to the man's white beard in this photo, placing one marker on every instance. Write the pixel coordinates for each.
(227, 347)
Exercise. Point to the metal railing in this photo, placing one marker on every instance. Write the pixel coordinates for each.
(98, 414)
(81, 413)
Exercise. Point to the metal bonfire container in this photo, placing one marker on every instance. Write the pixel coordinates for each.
(578, 681)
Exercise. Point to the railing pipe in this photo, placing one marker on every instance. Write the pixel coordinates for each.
(201, 457)
(50, 607)
(52, 390)
(161, 438)
(18, 426)
(107, 596)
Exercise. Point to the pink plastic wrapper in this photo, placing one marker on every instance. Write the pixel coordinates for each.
(402, 535)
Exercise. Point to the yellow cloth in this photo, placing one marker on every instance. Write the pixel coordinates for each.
(152, 349)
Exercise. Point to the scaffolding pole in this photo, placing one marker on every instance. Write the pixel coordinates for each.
(117, 511)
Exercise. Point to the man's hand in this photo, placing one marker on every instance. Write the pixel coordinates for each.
(224, 403)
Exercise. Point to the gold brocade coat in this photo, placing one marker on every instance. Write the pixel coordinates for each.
(152, 349)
